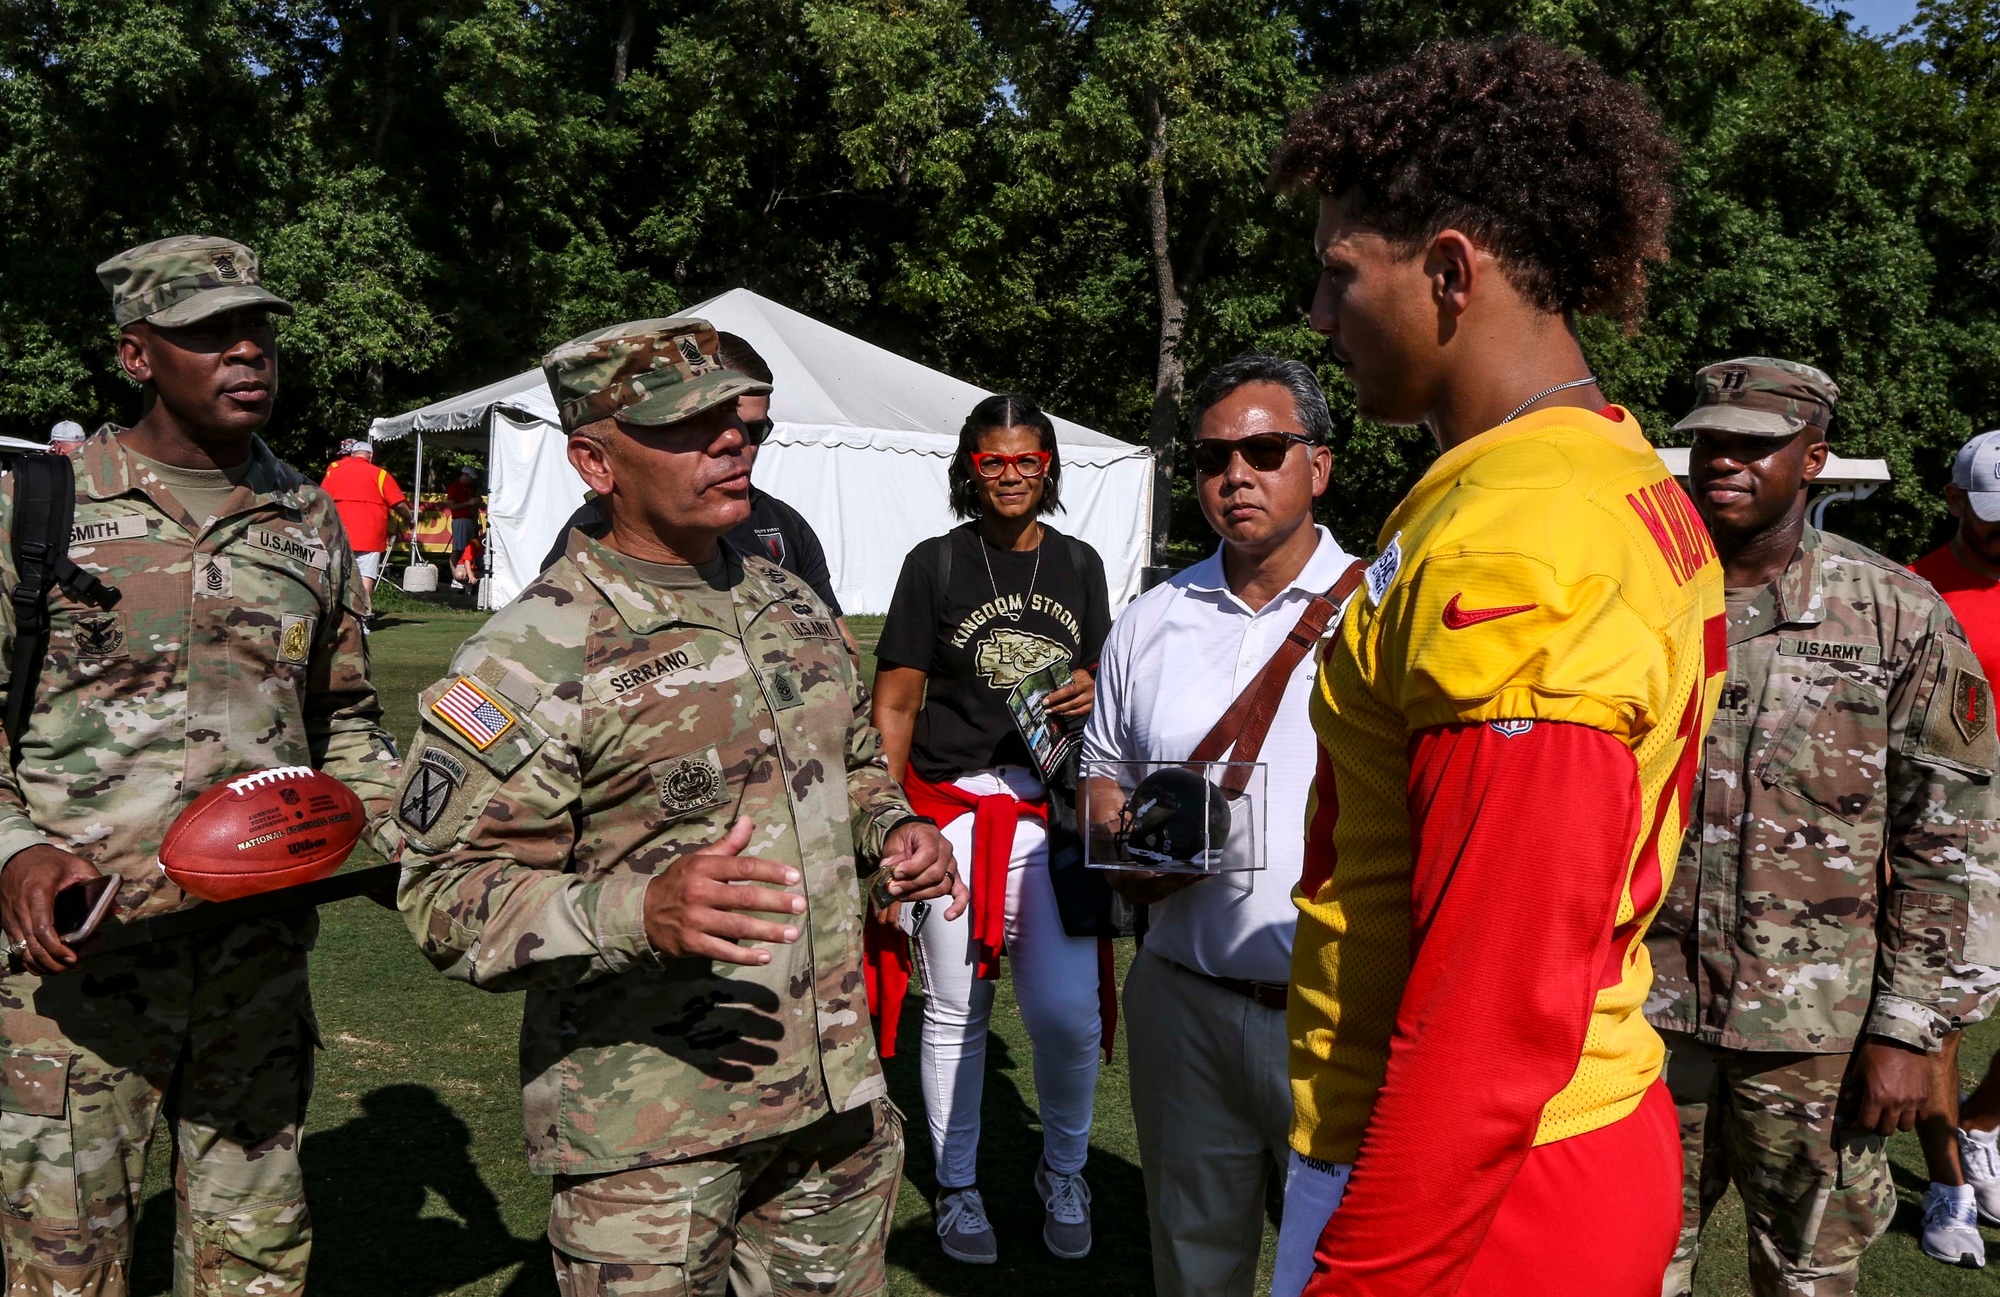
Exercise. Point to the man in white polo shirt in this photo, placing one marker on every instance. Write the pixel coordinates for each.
(1205, 1000)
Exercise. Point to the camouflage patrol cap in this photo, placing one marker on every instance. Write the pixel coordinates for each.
(1761, 397)
(175, 282)
(646, 372)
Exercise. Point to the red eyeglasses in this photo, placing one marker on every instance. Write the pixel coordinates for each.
(1029, 463)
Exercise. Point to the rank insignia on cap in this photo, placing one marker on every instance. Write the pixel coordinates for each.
(1971, 708)
(473, 713)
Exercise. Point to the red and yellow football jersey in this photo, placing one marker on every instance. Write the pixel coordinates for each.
(1549, 570)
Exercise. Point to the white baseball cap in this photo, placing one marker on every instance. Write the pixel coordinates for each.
(67, 430)
(1976, 472)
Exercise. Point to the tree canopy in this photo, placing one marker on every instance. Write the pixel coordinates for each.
(1067, 199)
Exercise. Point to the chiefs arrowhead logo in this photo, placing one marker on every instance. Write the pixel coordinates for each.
(1457, 618)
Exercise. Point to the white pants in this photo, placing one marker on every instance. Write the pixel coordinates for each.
(1055, 983)
(1213, 1105)
(1312, 1194)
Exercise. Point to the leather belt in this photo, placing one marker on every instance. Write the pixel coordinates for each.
(1271, 995)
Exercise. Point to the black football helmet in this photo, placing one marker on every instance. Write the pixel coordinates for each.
(1174, 817)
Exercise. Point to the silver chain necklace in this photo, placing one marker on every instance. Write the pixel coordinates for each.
(1035, 572)
(1585, 381)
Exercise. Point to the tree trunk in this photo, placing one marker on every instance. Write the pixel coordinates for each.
(621, 54)
(1164, 426)
(386, 107)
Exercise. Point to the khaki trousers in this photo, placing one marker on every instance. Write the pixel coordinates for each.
(1213, 1106)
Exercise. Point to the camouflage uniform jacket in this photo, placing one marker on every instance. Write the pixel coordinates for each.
(594, 731)
(234, 645)
(1822, 890)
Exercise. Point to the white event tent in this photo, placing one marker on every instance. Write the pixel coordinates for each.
(862, 441)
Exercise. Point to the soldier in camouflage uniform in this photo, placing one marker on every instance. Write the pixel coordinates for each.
(1802, 952)
(235, 644)
(698, 1067)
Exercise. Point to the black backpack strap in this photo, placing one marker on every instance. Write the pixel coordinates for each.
(944, 564)
(44, 510)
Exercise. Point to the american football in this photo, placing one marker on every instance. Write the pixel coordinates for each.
(262, 831)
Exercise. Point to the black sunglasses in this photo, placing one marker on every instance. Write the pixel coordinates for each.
(1262, 452)
(756, 430)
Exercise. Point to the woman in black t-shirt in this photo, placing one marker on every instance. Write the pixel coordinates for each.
(983, 616)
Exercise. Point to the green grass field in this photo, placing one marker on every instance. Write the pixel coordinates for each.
(419, 1184)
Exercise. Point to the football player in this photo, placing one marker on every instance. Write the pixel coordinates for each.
(1512, 710)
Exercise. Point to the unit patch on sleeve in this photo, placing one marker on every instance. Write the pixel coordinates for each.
(438, 775)
(1958, 725)
(691, 783)
(469, 710)
(295, 638)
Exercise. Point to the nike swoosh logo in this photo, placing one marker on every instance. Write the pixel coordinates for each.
(1457, 618)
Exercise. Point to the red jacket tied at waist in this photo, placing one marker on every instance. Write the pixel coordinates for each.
(887, 948)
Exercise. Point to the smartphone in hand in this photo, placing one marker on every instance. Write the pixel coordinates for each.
(80, 907)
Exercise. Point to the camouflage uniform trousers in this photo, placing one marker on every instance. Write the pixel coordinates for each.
(1815, 1198)
(807, 1211)
(218, 1031)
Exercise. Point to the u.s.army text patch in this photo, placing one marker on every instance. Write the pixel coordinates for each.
(1829, 650)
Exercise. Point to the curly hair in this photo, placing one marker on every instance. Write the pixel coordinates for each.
(1556, 168)
(1002, 410)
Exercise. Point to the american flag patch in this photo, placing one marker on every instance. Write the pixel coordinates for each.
(472, 712)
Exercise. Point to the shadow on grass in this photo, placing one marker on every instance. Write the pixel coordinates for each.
(1010, 1145)
(399, 1209)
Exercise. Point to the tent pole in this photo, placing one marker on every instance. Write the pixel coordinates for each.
(418, 490)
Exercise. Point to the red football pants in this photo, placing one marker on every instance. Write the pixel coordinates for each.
(1597, 1213)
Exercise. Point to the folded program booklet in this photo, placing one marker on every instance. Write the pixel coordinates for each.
(1052, 740)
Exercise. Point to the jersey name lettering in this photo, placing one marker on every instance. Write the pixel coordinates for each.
(1675, 527)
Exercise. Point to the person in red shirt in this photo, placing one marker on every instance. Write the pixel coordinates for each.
(463, 498)
(366, 496)
(1962, 1140)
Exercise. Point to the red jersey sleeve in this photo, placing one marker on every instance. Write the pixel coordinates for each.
(1520, 846)
(392, 493)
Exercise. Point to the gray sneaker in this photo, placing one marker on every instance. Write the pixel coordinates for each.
(1951, 1231)
(1979, 1153)
(963, 1230)
(1066, 1226)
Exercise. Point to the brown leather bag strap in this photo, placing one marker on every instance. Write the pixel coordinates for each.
(1241, 731)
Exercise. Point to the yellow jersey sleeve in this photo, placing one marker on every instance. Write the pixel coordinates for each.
(1502, 636)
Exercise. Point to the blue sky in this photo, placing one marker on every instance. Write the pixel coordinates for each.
(1879, 16)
